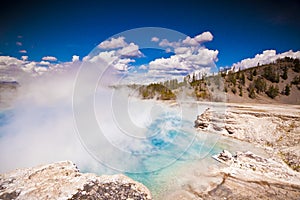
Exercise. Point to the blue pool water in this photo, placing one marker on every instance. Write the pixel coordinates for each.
(176, 144)
(171, 144)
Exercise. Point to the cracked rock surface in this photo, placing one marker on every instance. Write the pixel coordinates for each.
(63, 180)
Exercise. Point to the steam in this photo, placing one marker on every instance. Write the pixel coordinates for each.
(72, 112)
(120, 134)
(40, 128)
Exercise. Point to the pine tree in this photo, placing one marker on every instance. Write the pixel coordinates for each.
(287, 90)
(285, 75)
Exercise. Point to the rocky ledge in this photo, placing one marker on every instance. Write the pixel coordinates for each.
(259, 168)
(245, 175)
(63, 180)
(250, 176)
(275, 128)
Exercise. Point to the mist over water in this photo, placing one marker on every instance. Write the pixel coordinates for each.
(40, 128)
(77, 115)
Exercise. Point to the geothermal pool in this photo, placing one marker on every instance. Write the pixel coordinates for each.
(155, 141)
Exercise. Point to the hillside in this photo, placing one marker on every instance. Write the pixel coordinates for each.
(277, 82)
(271, 83)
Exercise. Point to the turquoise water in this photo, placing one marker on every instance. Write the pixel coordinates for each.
(171, 145)
(177, 145)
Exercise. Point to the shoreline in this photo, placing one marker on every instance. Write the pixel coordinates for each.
(275, 129)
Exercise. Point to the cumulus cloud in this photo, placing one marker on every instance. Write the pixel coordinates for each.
(75, 58)
(183, 50)
(166, 43)
(143, 67)
(154, 39)
(24, 58)
(118, 53)
(23, 51)
(185, 62)
(204, 37)
(122, 64)
(44, 63)
(132, 50)
(190, 41)
(104, 56)
(266, 57)
(110, 58)
(49, 58)
(190, 56)
(18, 69)
(113, 43)
(8, 61)
(198, 39)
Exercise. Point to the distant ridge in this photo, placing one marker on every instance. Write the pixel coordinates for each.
(276, 82)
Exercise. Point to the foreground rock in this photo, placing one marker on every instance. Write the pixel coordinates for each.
(250, 176)
(275, 128)
(252, 166)
(63, 180)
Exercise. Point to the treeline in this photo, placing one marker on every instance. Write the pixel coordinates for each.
(264, 79)
(156, 90)
(270, 80)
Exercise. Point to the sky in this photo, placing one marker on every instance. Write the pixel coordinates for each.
(57, 30)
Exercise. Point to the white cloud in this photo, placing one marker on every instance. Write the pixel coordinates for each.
(113, 43)
(24, 58)
(104, 56)
(183, 64)
(29, 67)
(266, 57)
(154, 39)
(44, 63)
(204, 37)
(132, 50)
(122, 64)
(204, 57)
(143, 67)
(86, 58)
(19, 43)
(75, 58)
(186, 60)
(190, 41)
(119, 55)
(23, 51)
(199, 39)
(110, 58)
(182, 50)
(8, 61)
(166, 43)
(190, 56)
(40, 69)
(18, 69)
(49, 58)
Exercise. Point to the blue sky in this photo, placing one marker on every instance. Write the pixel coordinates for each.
(61, 29)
